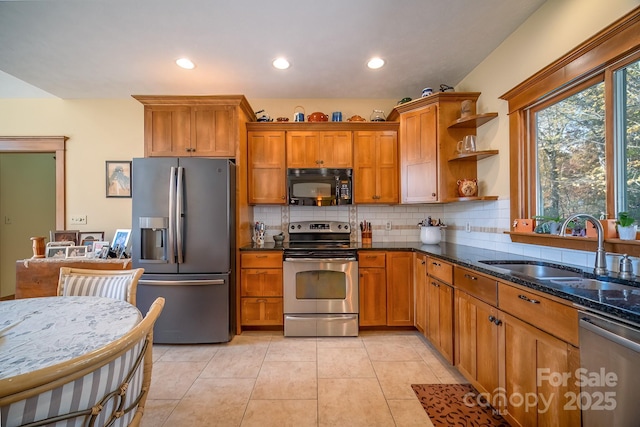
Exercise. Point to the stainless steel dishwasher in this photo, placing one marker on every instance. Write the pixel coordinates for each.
(610, 371)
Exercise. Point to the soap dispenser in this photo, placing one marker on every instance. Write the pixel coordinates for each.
(626, 268)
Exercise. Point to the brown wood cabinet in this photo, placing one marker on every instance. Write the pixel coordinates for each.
(528, 354)
(319, 149)
(420, 290)
(375, 167)
(476, 342)
(267, 168)
(440, 317)
(372, 288)
(261, 288)
(202, 126)
(38, 277)
(400, 308)
(430, 129)
(418, 162)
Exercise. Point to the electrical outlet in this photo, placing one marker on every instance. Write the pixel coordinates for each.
(387, 226)
(468, 227)
(7, 220)
(78, 220)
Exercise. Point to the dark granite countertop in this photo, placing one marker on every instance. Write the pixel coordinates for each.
(619, 304)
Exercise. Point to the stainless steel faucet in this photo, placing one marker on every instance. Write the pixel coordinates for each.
(601, 259)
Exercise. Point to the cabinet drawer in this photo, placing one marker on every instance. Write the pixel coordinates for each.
(371, 259)
(553, 317)
(482, 287)
(261, 282)
(261, 259)
(440, 270)
(262, 311)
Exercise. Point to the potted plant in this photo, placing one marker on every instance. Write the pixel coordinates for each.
(626, 226)
(547, 224)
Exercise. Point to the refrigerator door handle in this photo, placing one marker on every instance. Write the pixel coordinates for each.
(181, 282)
(171, 244)
(180, 214)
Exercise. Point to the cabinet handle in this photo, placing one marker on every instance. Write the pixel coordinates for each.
(527, 299)
(435, 284)
(261, 300)
(436, 264)
(424, 262)
(470, 277)
(495, 320)
(282, 197)
(433, 194)
(261, 256)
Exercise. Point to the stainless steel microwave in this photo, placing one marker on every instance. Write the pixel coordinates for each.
(319, 186)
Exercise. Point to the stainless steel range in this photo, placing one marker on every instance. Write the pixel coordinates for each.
(320, 280)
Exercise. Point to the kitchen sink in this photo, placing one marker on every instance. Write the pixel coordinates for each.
(537, 271)
(593, 284)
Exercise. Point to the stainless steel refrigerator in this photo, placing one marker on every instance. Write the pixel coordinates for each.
(183, 236)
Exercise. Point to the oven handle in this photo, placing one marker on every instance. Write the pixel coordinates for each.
(319, 259)
(586, 323)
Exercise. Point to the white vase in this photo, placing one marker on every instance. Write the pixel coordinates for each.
(430, 235)
(627, 233)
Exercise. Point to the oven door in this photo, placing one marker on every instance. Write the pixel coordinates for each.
(320, 286)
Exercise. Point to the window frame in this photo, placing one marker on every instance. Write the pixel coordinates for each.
(600, 55)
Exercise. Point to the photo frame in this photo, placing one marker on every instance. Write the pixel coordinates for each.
(97, 246)
(121, 241)
(56, 251)
(86, 238)
(118, 178)
(76, 252)
(64, 236)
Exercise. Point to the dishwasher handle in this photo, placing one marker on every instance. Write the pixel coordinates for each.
(588, 324)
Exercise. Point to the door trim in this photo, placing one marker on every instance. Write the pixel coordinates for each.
(43, 144)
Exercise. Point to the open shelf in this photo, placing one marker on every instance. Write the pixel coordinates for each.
(473, 121)
(477, 155)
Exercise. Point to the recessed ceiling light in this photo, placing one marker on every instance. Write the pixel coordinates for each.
(185, 63)
(281, 63)
(375, 63)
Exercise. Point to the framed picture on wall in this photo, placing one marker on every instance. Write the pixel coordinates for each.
(118, 178)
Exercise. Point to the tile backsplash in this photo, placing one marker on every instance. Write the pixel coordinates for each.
(479, 224)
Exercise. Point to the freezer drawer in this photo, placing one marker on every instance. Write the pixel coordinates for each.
(198, 308)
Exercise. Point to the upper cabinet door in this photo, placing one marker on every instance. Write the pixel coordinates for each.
(323, 149)
(213, 129)
(167, 131)
(267, 170)
(302, 150)
(335, 149)
(418, 166)
(375, 164)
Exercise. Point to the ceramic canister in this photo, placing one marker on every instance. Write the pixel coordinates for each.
(430, 235)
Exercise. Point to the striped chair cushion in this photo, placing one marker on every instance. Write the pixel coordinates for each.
(83, 393)
(97, 286)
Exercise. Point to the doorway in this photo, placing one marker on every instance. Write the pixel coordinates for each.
(31, 198)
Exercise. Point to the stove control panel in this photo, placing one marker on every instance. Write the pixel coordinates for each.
(319, 227)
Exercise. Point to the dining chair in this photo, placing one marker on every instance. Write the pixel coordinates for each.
(117, 284)
(105, 387)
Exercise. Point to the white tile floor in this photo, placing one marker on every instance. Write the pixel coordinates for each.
(265, 379)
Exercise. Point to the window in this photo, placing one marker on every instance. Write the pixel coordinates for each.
(627, 137)
(575, 132)
(570, 154)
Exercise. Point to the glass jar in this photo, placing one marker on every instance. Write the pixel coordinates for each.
(377, 116)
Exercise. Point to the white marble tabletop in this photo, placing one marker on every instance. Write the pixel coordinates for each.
(40, 332)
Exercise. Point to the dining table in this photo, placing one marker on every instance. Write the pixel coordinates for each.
(36, 333)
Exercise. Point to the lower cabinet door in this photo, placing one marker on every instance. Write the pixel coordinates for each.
(373, 296)
(476, 346)
(262, 311)
(539, 374)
